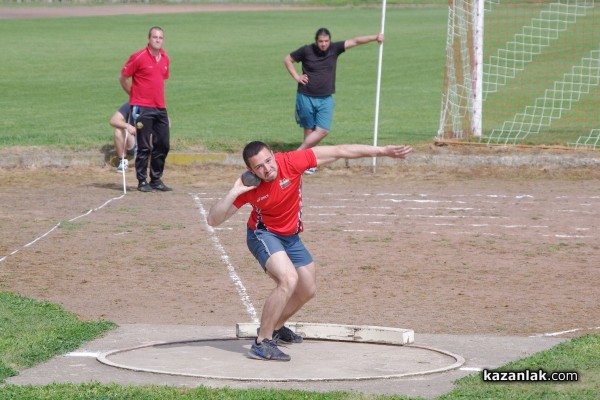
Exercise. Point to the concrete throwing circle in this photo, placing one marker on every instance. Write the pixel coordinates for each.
(312, 360)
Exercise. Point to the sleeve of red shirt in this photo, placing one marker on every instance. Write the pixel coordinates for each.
(241, 200)
(301, 160)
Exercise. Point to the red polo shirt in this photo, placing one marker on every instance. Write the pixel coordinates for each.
(148, 78)
(277, 205)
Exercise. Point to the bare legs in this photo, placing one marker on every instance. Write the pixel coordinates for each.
(295, 287)
(120, 140)
(312, 137)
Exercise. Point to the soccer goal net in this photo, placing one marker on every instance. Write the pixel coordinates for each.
(522, 73)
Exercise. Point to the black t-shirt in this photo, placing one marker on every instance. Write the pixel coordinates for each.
(320, 68)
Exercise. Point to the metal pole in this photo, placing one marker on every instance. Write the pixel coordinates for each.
(375, 131)
(123, 158)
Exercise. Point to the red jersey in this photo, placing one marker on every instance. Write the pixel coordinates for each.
(277, 205)
(149, 75)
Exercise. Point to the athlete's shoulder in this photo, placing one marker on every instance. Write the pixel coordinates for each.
(288, 156)
(296, 160)
(293, 153)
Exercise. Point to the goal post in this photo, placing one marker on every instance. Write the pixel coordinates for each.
(522, 72)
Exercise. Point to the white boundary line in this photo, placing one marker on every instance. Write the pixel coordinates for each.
(57, 225)
(564, 332)
(458, 361)
(225, 258)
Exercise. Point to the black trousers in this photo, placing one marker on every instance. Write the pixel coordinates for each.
(153, 135)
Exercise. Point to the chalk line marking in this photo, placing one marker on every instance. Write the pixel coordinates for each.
(564, 332)
(59, 224)
(241, 289)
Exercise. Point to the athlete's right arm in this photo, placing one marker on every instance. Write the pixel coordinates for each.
(224, 208)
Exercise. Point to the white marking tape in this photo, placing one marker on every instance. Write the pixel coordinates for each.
(225, 258)
(82, 354)
(472, 369)
(562, 236)
(418, 201)
(57, 225)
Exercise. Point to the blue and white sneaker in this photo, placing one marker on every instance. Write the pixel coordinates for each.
(267, 350)
(310, 171)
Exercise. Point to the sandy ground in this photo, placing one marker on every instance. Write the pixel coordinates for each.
(499, 252)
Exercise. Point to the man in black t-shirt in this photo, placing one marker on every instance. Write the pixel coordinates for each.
(316, 85)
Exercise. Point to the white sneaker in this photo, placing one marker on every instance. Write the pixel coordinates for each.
(123, 165)
(310, 171)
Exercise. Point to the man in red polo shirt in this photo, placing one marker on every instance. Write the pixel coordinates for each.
(273, 230)
(143, 79)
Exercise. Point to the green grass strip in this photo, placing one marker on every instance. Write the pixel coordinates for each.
(581, 355)
(109, 392)
(32, 332)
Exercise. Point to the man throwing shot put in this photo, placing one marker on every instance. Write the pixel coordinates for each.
(274, 225)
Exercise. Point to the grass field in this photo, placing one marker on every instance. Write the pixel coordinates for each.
(228, 84)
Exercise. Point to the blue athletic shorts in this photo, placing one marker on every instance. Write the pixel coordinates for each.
(262, 244)
(314, 111)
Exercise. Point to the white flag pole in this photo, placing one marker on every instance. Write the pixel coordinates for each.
(123, 160)
(375, 131)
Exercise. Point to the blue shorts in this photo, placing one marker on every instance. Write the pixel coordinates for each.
(314, 111)
(262, 244)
